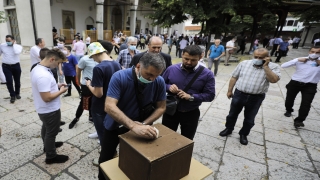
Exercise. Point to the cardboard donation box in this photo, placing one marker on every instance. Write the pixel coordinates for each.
(167, 157)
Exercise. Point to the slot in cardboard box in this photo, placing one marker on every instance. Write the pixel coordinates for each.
(167, 157)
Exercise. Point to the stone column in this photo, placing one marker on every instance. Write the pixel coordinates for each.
(155, 30)
(99, 19)
(133, 16)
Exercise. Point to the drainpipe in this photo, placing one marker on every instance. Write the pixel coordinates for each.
(33, 21)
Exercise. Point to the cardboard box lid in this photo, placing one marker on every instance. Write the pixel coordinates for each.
(167, 143)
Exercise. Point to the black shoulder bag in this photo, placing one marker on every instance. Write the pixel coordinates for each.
(144, 111)
(173, 100)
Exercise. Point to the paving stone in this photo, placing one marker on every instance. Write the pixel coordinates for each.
(211, 127)
(27, 119)
(218, 113)
(28, 171)
(19, 136)
(310, 137)
(74, 155)
(283, 138)
(8, 125)
(312, 125)
(289, 155)
(317, 165)
(280, 126)
(315, 152)
(253, 137)
(2, 109)
(208, 147)
(63, 176)
(276, 115)
(213, 165)
(234, 167)
(10, 114)
(67, 133)
(19, 155)
(1, 150)
(251, 151)
(84, 169)
(83, 142)
(280, 170)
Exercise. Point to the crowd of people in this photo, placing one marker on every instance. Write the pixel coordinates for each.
(129, 93)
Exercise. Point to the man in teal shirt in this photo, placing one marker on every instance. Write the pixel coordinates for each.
(215, 52)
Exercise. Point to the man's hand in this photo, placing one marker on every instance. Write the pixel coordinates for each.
(267, 59)
(63, 89)
(216, 59)
(302, 59)
(144, 131)
(183, 95)
(229, 95)
(174, 89)
(88, 82)
(61, 84)
(61, 73)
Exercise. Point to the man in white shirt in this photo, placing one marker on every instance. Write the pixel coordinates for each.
(34, 51)
(183, 44)
(10, 52)
(88, 40)
(46, 99)
(304, 80)
(230, 50)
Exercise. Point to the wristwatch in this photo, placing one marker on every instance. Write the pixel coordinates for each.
(191, 98)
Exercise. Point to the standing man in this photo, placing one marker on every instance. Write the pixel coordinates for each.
(182, 44)
(154, 46)
(176, 78)
(125, 56)
(10, 52)
(282, 49)
(251, 78)
(79, 47)
(230, 50)
(214, 54)
(34, 51)
(242, 44)
(122, 107)
(304, 80)
(276, 43)
(46, 94)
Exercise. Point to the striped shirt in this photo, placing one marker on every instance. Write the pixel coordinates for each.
(125, 58)
(253, 80)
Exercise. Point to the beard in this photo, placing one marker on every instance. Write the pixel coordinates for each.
(188, 67)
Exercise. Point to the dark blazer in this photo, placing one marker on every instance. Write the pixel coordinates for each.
(136, 58)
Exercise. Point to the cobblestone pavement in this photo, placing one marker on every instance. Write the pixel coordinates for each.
(276, 150)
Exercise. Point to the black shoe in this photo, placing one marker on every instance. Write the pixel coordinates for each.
(60, 129)
(57, 159)
(66, 95)
(288, 114)
(62, 123)
(3, 83)
(298, 124)
(225, 132)
(18, 96)
(12, 99)
(56, 144)
(73, 122)
(243, 139)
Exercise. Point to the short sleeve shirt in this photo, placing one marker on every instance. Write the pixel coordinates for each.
(121, 87)
(216, 51)
(86, 64)
(102, 74)
(69, 67)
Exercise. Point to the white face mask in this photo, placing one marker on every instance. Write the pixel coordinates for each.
(257, 62)
(314, 56)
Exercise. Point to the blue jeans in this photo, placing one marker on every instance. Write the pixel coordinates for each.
(12, 73)
(251, 104)
(98, 119)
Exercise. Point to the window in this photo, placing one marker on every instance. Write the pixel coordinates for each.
(10, 3)
(290, 23)
(295, 23)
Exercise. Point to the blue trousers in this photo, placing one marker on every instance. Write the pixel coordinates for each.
(251, 104)
(98, 119)
(12, 72)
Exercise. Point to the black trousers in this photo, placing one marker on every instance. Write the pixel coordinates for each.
(110, 141)
(274, 49)
(72, 79)
(116, 49)
(242, 48)
(85, 92)
(12, 72)
(187, 120)
(280, 54)
(308, 91)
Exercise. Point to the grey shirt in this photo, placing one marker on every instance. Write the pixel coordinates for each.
(86, 64)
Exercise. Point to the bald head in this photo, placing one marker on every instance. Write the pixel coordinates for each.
(261, 53)
(217, 42)
(155, 44)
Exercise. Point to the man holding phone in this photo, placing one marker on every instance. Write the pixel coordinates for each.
(251, 78)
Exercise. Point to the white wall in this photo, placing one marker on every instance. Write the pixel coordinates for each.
(43, 21)
(80, 8)
(3, 26)
(25, 22)
(290, 28)
(144, 21)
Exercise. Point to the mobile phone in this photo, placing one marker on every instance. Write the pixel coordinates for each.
(86, 78)
(68, 85)
(263, 61)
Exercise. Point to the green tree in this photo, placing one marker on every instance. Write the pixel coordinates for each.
(310, 15)
(3, 17)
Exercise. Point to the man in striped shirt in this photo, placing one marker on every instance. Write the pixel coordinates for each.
(251, 78)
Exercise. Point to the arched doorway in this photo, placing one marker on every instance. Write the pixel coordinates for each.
(89, 23)
(147, 28)
(116, 19)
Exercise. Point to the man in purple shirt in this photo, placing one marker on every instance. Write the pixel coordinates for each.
(177, 78)
(282, 49)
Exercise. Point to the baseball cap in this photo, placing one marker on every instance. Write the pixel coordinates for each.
(95, 48)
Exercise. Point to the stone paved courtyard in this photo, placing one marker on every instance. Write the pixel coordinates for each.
(276, 150)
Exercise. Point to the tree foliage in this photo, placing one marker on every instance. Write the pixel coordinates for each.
(3, 17)
(310, 15)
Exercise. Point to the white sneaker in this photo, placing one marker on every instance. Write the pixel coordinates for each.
(99, 141)
(93, 135)
(95, 162)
